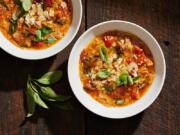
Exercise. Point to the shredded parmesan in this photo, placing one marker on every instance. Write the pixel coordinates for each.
(37, 15)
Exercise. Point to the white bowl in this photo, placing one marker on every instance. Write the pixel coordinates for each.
(141, 104)
(7, 46)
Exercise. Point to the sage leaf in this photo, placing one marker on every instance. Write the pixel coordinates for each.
(36, 97)
(30, 105)
(50, 78)
(103, 54)
(103, 74)
(49, 94)
(39, 101)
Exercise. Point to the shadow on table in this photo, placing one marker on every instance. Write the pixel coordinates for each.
(14, 71)
(96, 125)
(57, 121)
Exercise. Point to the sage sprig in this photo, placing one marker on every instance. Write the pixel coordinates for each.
(39, 93)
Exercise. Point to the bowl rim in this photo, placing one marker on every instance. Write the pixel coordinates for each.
(49, 54)
(159, 87)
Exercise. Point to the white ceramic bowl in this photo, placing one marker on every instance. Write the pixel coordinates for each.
(7, 46)
(116, 112)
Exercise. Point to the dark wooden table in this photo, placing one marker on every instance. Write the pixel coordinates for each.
(160, 17)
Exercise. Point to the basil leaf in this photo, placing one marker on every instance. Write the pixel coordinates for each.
(64, 105)
(130, 80)
(50, 40)
(50, 78)
(26, 4)
(136, 78)
(103, 54)
(36, 97)
(103, 74)
(120, 101)
(38, 36)
(45, 31)
(30, 105)
(123, 78)
(48, 94)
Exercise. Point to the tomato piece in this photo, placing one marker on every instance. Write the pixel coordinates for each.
(32, 31)
(83, 55)
(109, 40)
(39, 44)
(129, 60)
(1, 12)
(58, 36)
(137, 50)
(18, 37)
(149, 62)
(118, 93)
(135, 94)
(140, 61)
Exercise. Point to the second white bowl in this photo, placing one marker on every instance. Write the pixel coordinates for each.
(141, 104)
(7, 46)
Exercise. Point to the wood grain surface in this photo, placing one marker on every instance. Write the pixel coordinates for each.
(159, 17)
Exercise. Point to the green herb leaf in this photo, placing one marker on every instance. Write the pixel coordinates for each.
(38, 36)
(130, 80)
(48, 94)
(12, 27)
(103, 54)
(136, 78)
(103, 74)
(51, 40)
(45, 31)
(35, 97)
(30, 105)
(14, 16)
(13, 21)
(120, 101)
(26, 4)
(18, 2)
(50, 78)
(123, 78)
(37, 93)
